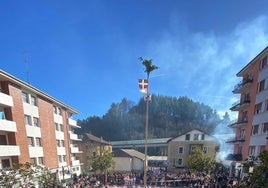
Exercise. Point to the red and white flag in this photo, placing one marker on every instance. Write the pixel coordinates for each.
(143, 85)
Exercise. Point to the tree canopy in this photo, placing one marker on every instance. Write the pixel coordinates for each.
(168, 117)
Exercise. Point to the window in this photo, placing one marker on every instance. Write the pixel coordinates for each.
(179, 161)
(205, 149)
(261, 85)
(56, 126)
(41, 161)
(246, 97)
(242, 133)
(64, 158)
(59, 111)
(33, 160)
(5, 163)
(33, 101)
(58, 143)
(62, 143)
(3, 139)
(258, 108)
(244, 116)
(251, 150)
(180, 149)
(264, 62)
(61, 127)
(239, 150)
(38, 142)
(25, 97)
(59, 157)
(36, 122)
(28, 120)
(196, 136)
(265, 128)
(187, 137)
(203, 137)
(30, 141)
(55, 109)
(255, 129)
(266, 105)
(262, 148)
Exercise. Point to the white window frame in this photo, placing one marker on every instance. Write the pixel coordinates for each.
(180, 147)
(179, 163)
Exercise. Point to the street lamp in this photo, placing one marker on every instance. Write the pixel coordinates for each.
(144, 87)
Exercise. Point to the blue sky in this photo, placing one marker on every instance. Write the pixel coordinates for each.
(85, 52)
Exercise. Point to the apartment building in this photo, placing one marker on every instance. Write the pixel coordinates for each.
(251, 126)
(180, 147)
(36, 128)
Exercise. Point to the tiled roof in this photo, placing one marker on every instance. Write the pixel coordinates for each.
(129, 153)
(96, 139)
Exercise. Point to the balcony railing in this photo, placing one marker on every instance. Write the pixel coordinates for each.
(74, 136)
(75, 162)
(73, 123)
(236, 140)
(239, 123)
(240, 105)
(9, 150)
(75, 149)
(242, 85)
(6, 100)
(9, 126)
(234, 157)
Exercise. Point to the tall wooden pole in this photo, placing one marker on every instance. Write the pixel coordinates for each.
(147, 98)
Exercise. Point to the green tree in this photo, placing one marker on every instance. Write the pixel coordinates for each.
(198, 161)
(102, 162)
(259, 176)
(44, 176)
(25, 175)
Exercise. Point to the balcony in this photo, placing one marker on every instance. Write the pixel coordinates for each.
(75, 149)
(73, 123)
(239, 123)
(6, 100)
(243, 85)
(75, 163)
(74, 136)
(8, 126)
(237, 106)
(9, 150)
(236, 140)
(234, 157)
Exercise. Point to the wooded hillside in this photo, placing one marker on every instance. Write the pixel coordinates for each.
(168, 117)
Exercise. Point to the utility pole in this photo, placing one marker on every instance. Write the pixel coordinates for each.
(144, 86)
(26, 61)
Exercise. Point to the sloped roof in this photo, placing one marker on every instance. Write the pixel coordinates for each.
(93, 138)
(188, 132)
(240, 73)
(128, 153)
(4, 76)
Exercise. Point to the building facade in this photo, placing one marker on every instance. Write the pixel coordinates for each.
(180, 147)
(36, 128)
(128, 160)
(251, 126)
(92, 146)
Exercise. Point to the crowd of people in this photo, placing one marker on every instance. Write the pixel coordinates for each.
(155, 178)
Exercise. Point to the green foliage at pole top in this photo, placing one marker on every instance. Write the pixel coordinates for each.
(149, 67)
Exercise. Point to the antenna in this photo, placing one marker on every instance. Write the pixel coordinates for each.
(26, 61)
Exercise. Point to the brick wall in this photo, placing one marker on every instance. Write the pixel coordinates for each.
(20, 138)
(48, 133)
